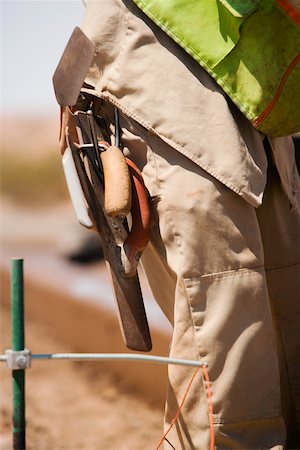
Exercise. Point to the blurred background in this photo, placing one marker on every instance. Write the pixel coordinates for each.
(33, 36)
(69, 304)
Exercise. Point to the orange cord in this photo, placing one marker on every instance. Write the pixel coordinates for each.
(210, 407)
(179, 409)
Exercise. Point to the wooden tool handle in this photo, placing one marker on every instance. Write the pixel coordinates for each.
(117, 184)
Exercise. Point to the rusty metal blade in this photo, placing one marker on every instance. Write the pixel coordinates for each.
(72, 68)
(132, 316)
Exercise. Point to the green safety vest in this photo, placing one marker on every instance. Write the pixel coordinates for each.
(250, 47)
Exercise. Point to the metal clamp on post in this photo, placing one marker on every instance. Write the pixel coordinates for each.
(18, 360)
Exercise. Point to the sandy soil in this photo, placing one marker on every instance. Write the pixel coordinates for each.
(71, 405)
(75, 405)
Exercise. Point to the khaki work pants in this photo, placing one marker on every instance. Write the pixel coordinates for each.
(224, 273)
(227, 277)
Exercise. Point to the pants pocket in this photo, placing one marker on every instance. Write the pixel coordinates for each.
(234, 333)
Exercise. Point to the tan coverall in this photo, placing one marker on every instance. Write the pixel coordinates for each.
(223, 261)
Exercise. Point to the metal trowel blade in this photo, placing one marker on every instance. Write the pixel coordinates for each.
(72, 68)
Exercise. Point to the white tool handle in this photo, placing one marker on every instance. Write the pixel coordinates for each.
(75, 189)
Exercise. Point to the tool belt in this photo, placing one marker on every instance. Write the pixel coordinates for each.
(105, 187)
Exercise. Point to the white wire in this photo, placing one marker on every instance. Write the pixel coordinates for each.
(114, 356)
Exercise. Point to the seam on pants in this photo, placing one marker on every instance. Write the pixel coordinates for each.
(209, 406)
(227, 273)
(218, 421)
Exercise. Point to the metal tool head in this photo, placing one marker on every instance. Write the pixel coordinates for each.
(72, 68)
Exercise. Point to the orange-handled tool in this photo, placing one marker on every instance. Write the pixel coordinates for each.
(139, 234)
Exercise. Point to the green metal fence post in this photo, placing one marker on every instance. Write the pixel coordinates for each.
(18, 343)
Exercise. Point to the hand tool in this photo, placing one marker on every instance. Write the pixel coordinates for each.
(104, 187)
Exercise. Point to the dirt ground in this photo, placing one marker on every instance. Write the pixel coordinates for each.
(71, 405)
